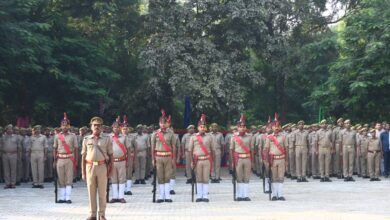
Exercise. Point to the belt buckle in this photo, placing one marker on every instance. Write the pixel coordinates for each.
(95, 163)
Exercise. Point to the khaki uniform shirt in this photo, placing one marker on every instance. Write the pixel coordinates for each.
(91, 147)
(246, 140)
(273, 149)
(50, 143)
(363, 144)
(10, 143)
(70, 139)
(26, 144)
(219, 140)
(374, 144)
(169, 138)
(348, 137)
(301, 138)
(38, 143)
(186, 141)
(141, 142)
(324, 138)
(208, 143)
(116, 149)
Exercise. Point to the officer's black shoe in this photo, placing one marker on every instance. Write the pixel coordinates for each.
(61, 201)
(346, 179)
(172, 192)
(205, 200)
(304, 179)
(351, 179)
(230, 171)
(143, 182)
(74, 180)
(354, 173)
(372, 179)
(199, 200)
(366, 177)
(299, 180)
(219, 179)
(327, 179)
(339, 176)
(168, 200)
(41, 186)
(69, 201)
(239, 199)
(160, 200)
(288, 175)
(274, 198)
(322, 180)
(377, 179)
(294, 177)
(212, 181)
(281, 198)
(188, 181)
(246, 199)
(113, 201)
(128, 193)
(136, 182)
(34, 186)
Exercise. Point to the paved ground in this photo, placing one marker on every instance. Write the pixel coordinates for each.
(313, 200)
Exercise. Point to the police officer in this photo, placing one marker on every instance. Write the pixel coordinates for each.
(275, 148)
(38, 152)
(324, 146)
(10, 148)
(219, 151)
(65, 154)
(240, 147)
(348, 143)
(201, 147)
(142, 146)
(163, 143)
(185, 142)
(301, 143)
(97, 157)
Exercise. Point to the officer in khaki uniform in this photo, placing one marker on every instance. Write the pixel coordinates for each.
(348, 143)
(38, 152)
(374, 155)
(336, 157)
(301, 143)
(275, 149)
(228, 138)
(324, 145)
(163, 143)
(291, 152)
(49, 155)
(121, 145)
(176, 159)
(362, 151)
(10, 149)
(201, 147)
(125, 130)
(97, 159)
(241, 148)
(185, 144)
(65, 154)
(19, 163)
(218, 152)
(142, 146)
(80, 137)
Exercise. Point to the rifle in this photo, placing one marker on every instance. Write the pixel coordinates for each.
(55, 185)
(270, 177)
(234, 177)
(263, 176)
(108, 189)
(193, 181)
(154, 183)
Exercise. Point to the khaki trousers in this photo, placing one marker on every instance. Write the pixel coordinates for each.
(27, 166)
(243, 170)
(301, 160)
(363, 163)
(49, 165)
(278, 168)
(202, 170)
(337, 166)
(324, 161)
(216, 164)
(348, 160)
(118, 173)
(374, 160)
(164, 169)
(188, 164)
(140, 169)
(9, 167)
(65, 172)
(38, 167)
(129, 168)
(291, 159)
(96, 177)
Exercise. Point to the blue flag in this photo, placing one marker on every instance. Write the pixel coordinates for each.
(187, 112)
